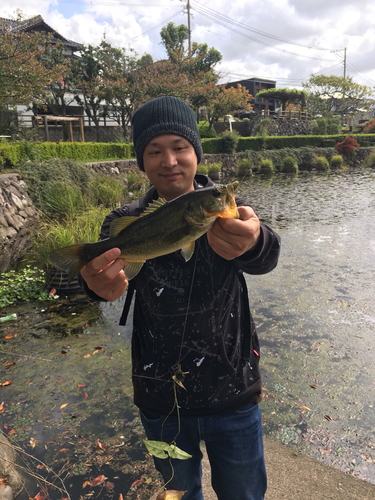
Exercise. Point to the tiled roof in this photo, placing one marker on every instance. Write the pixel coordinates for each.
(36, 22)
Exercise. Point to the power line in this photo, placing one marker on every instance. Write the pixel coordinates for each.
(212, 14)
(230, 23)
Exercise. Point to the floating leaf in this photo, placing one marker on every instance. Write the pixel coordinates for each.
(102, 446)
(135, 485)
(87, 355)
(63, 405)
(81, 385)
(32, 442)
(327, 417)
(98, 480)
(86, 483)
(11, 363)
(8, 382)
(8, 336)
(171, 495)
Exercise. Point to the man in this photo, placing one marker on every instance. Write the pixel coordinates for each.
(192, 325)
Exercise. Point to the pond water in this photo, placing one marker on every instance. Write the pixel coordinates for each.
(68, 405)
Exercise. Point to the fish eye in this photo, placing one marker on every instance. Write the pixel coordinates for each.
(216, 193)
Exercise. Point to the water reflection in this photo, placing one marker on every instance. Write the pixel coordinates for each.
(316, 315)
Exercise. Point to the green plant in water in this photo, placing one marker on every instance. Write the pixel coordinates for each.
(214, 170)
(289, 164)
(336, 161)
(370, 161)
(19, 286)
(321, 163)
(266, 166)
(244, 167)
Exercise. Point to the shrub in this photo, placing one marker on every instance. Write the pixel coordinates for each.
(289, 164)
(321, 163)
(336, 161)
(214, 170)
(80, 228)
(369, 127)
(204, 130)
(108, 191)
(229, 141)
(57, 187)
(244, 167)
(266, 166)
(370, 161)
(348, 146)
(202, 169)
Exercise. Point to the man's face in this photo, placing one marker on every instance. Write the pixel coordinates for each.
(170, 162)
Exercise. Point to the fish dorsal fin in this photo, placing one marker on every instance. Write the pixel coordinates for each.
(151, 207)
(132, 268)
(119, 224)
(188, 250)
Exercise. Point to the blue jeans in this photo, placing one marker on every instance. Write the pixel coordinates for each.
(234, 444)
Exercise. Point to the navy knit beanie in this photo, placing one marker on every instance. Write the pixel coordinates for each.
(164, 115)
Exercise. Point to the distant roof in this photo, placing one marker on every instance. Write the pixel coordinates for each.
(254, 79)
(37, 23)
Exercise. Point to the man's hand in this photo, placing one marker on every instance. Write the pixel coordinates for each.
(104, 275)
(231, 238)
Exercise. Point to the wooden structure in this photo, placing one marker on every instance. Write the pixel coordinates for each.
(69, 119)
(290, 115)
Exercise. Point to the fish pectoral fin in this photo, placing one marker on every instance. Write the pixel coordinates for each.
(118, 225)
(188, 250)
(132, 268)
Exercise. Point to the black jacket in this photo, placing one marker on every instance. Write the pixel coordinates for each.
(194, 317)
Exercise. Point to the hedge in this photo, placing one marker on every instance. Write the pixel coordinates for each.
(12, 153)
(214, 146)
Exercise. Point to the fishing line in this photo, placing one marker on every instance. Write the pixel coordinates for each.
(189, 299)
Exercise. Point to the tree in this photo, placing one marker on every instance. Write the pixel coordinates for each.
(338, 95)
(197, 74)
(123, 77)
(23, 76)
(173, 38)
(229, 101)
(89, 83)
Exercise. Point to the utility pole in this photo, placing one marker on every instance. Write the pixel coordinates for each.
(189, 30)
(345, 63)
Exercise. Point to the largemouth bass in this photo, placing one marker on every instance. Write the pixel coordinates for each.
(162, 228)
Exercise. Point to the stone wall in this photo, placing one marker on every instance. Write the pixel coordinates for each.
(283, 126)
(18, 219)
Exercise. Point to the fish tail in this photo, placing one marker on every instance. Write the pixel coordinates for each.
(68, 259)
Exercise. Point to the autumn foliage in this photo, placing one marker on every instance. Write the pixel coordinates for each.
(348, 146)
(23, 76)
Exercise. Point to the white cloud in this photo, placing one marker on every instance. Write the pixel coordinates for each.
(317, 28)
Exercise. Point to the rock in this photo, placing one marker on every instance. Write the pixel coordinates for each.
(15, 482)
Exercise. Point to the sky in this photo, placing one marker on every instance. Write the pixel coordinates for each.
(282, 40)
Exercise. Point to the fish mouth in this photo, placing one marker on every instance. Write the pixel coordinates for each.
(229, 202)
